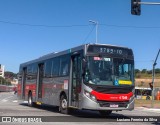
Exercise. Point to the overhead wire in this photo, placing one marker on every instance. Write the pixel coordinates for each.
(89, 34)
(77, 25)
(40, 25)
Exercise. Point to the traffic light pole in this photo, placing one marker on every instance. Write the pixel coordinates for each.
(136, 6)
(136, 10)
(148, 3)
(153, 75)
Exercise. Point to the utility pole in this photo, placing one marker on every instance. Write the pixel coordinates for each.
(153, 75)
(96, 24)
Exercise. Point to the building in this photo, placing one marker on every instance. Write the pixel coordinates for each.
(1, 70)
(14, 82)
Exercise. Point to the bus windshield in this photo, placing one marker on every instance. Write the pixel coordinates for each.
(108, 71)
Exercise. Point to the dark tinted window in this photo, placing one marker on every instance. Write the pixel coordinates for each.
(34, 71)
(48, 68)
(29, 72)
(64, 67)
(56, 66)
(35, 68)
(20, 75)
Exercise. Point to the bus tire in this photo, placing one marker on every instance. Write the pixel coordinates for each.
(105, 113)
(30, 100)
(63, 108)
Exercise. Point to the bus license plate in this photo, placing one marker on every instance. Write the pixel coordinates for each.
(114, 106)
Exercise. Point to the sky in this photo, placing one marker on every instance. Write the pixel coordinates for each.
(32, 28)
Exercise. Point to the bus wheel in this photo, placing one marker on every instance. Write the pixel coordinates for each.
(105, 113)
(63, 105)
(30, 100)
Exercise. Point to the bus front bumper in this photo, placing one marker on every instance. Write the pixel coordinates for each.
(87, 103)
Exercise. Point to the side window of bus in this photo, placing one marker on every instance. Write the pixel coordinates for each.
(29, 72)
(34, 71)
(56, 66)
(64, 65)
(20, 75)
(48, 69)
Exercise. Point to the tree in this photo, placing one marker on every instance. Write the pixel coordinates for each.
(137, 71)
(10, 75)
(144, 71)
(157, 70)
(149, 71)
(2, 80)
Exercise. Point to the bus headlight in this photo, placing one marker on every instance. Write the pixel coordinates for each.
(93, 98)
(89, 95)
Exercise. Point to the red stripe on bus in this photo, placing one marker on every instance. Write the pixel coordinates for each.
(112, 97)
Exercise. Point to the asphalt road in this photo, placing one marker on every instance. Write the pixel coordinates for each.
(18, 111)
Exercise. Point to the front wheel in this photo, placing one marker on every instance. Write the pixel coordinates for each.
(105, 113)
(64, 105)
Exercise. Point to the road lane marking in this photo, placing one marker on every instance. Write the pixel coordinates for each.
(148, 110)
(25, 101)
(6, 99)
(15, 101)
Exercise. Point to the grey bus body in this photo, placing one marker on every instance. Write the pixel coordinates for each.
(65, 79)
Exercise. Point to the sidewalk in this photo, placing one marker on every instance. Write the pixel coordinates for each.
(157, 110)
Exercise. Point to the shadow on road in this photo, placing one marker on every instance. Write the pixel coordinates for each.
(86, 116)
(73, 112)
(43, 107)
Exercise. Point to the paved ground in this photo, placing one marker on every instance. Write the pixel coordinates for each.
(18, 110)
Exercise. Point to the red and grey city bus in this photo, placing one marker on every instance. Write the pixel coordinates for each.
(91, 76)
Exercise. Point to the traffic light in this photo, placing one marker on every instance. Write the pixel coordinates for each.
(135, 7)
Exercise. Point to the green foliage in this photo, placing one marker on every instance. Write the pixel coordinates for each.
(137, 71)
(4, 81)
(157, 70)
(10, 75)
(144, 73)
(149, 71)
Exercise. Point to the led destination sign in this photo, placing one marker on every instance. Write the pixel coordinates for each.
(109, 50)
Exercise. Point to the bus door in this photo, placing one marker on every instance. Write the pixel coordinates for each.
(76, 80)
(24, 82)
(40, 81)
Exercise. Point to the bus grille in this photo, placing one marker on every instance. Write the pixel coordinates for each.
(108, 104)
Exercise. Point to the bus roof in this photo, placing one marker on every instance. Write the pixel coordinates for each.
(54, 54)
